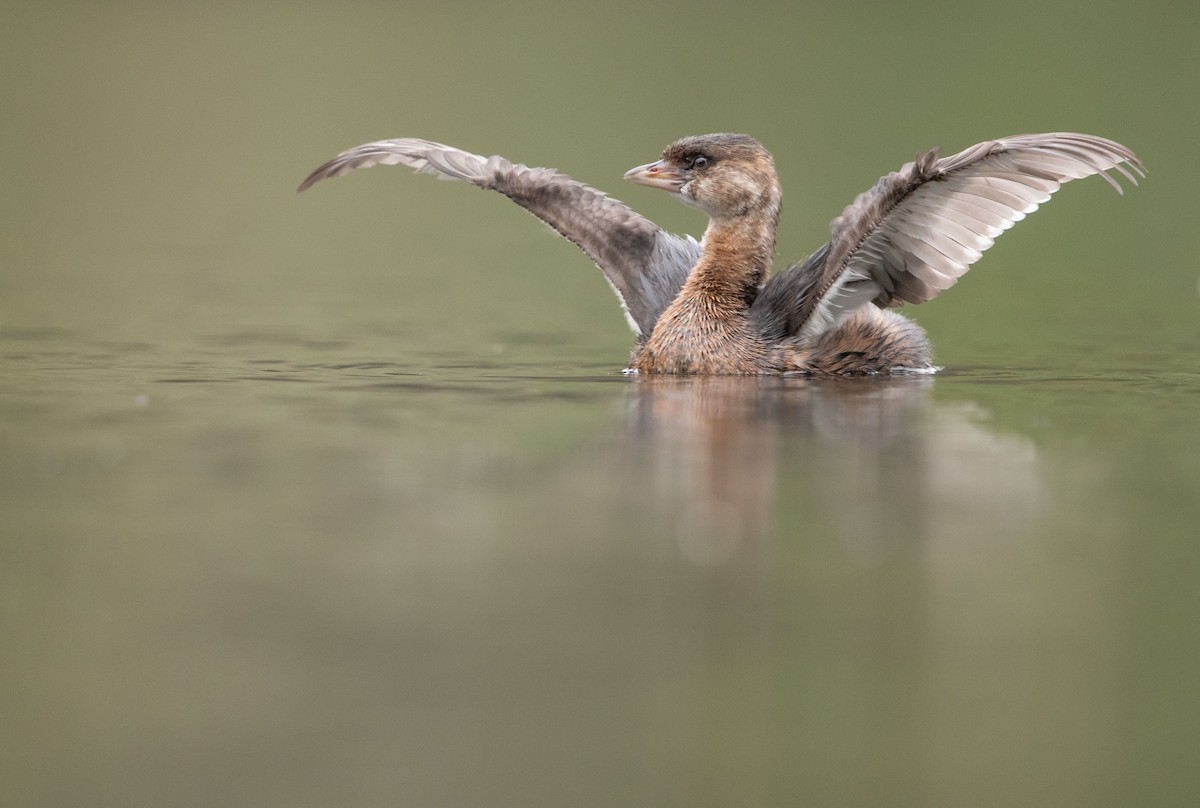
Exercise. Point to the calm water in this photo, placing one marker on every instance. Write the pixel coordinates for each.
(270, 572)
(343, 499)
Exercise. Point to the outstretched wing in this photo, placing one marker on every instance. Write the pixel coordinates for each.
(918, 230)
(645, 265)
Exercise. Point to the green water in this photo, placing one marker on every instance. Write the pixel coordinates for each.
(342, 499)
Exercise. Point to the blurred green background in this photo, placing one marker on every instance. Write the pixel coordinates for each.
(340, 499)
(153, 149)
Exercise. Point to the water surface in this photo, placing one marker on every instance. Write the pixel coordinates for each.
(266, 571)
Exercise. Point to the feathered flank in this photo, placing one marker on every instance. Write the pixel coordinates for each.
(645, 265)
(918, 230)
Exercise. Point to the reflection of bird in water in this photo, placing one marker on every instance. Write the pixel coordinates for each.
(708, 307)
(708, 454)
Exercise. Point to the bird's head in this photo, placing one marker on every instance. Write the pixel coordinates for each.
(724, 175)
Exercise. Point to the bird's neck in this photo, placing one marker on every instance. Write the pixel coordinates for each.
(735, 259)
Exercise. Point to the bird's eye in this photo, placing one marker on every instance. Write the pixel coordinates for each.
(700, 161)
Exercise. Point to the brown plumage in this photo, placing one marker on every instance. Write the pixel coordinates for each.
(709, 306)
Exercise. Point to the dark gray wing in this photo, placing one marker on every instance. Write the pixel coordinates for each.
(918, 230)
(645, 265)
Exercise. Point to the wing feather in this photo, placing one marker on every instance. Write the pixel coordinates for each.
(645, 265)
(920, 229)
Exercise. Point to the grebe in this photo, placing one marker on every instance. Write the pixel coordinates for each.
(709, 307)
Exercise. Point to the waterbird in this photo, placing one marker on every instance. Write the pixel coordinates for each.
(711, 306)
